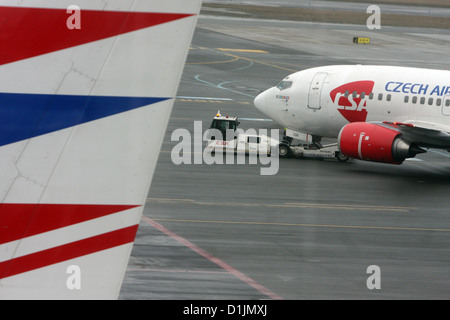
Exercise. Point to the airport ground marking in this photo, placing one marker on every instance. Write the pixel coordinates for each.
(353, 206)
(236, 58)
(261, 62)
(176, 271)
(215, 62)
(218, 101)
(284, 224)
(292, 205)
(204, 98)
(242, 50)
(440, 153)
(213, 259)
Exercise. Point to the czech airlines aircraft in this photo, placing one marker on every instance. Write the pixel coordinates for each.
(377, 113)
(86, 93)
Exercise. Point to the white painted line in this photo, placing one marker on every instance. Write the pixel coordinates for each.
(204, 98)
(255, 119)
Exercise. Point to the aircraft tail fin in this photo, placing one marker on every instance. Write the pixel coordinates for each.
(86, 93)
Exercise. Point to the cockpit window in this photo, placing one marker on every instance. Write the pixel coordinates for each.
(283, 85)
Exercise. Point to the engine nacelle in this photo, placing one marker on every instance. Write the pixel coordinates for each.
(372, 142)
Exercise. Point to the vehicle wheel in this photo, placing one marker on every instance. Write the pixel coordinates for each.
(284, 151)
(341, 157)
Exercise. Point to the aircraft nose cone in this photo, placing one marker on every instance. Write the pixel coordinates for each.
(260, 102)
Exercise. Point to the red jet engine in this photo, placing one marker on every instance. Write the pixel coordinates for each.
(376, 142)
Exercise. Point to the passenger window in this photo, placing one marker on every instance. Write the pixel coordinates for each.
(346, 94)
(422, 100)
(371, 96)
(438, 102)
(430, 101)
(388, 97)
(447, 103)
(363, 95)
(380, 96)
(406, 99)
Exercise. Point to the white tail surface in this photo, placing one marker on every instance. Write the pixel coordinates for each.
(86, 92)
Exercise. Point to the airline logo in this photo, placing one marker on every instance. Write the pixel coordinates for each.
(44, 31)
(417, 88)
(27, 33)
(350, 99)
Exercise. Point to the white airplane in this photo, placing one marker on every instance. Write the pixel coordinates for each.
(377, 113)
(86, 93)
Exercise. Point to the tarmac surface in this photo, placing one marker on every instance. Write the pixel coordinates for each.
(426, 9)
(312, 230)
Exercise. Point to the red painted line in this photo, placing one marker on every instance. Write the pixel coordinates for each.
(19, 220)
(67, 251)
(176, 271)
(215, 260)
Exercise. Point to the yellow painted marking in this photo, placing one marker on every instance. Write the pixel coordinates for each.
(216, 62)
(351, 206)
(295, 205)
(236, 58)
(291, 205)
(302, 225)
(241, 50)
(262, 62)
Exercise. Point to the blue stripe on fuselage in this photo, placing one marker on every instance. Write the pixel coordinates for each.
(24, 116)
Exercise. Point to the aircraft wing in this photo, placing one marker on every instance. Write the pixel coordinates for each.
(86, 93)
(424, 134)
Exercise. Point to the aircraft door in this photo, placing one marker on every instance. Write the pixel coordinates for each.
(446, 106)
(315, 90)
